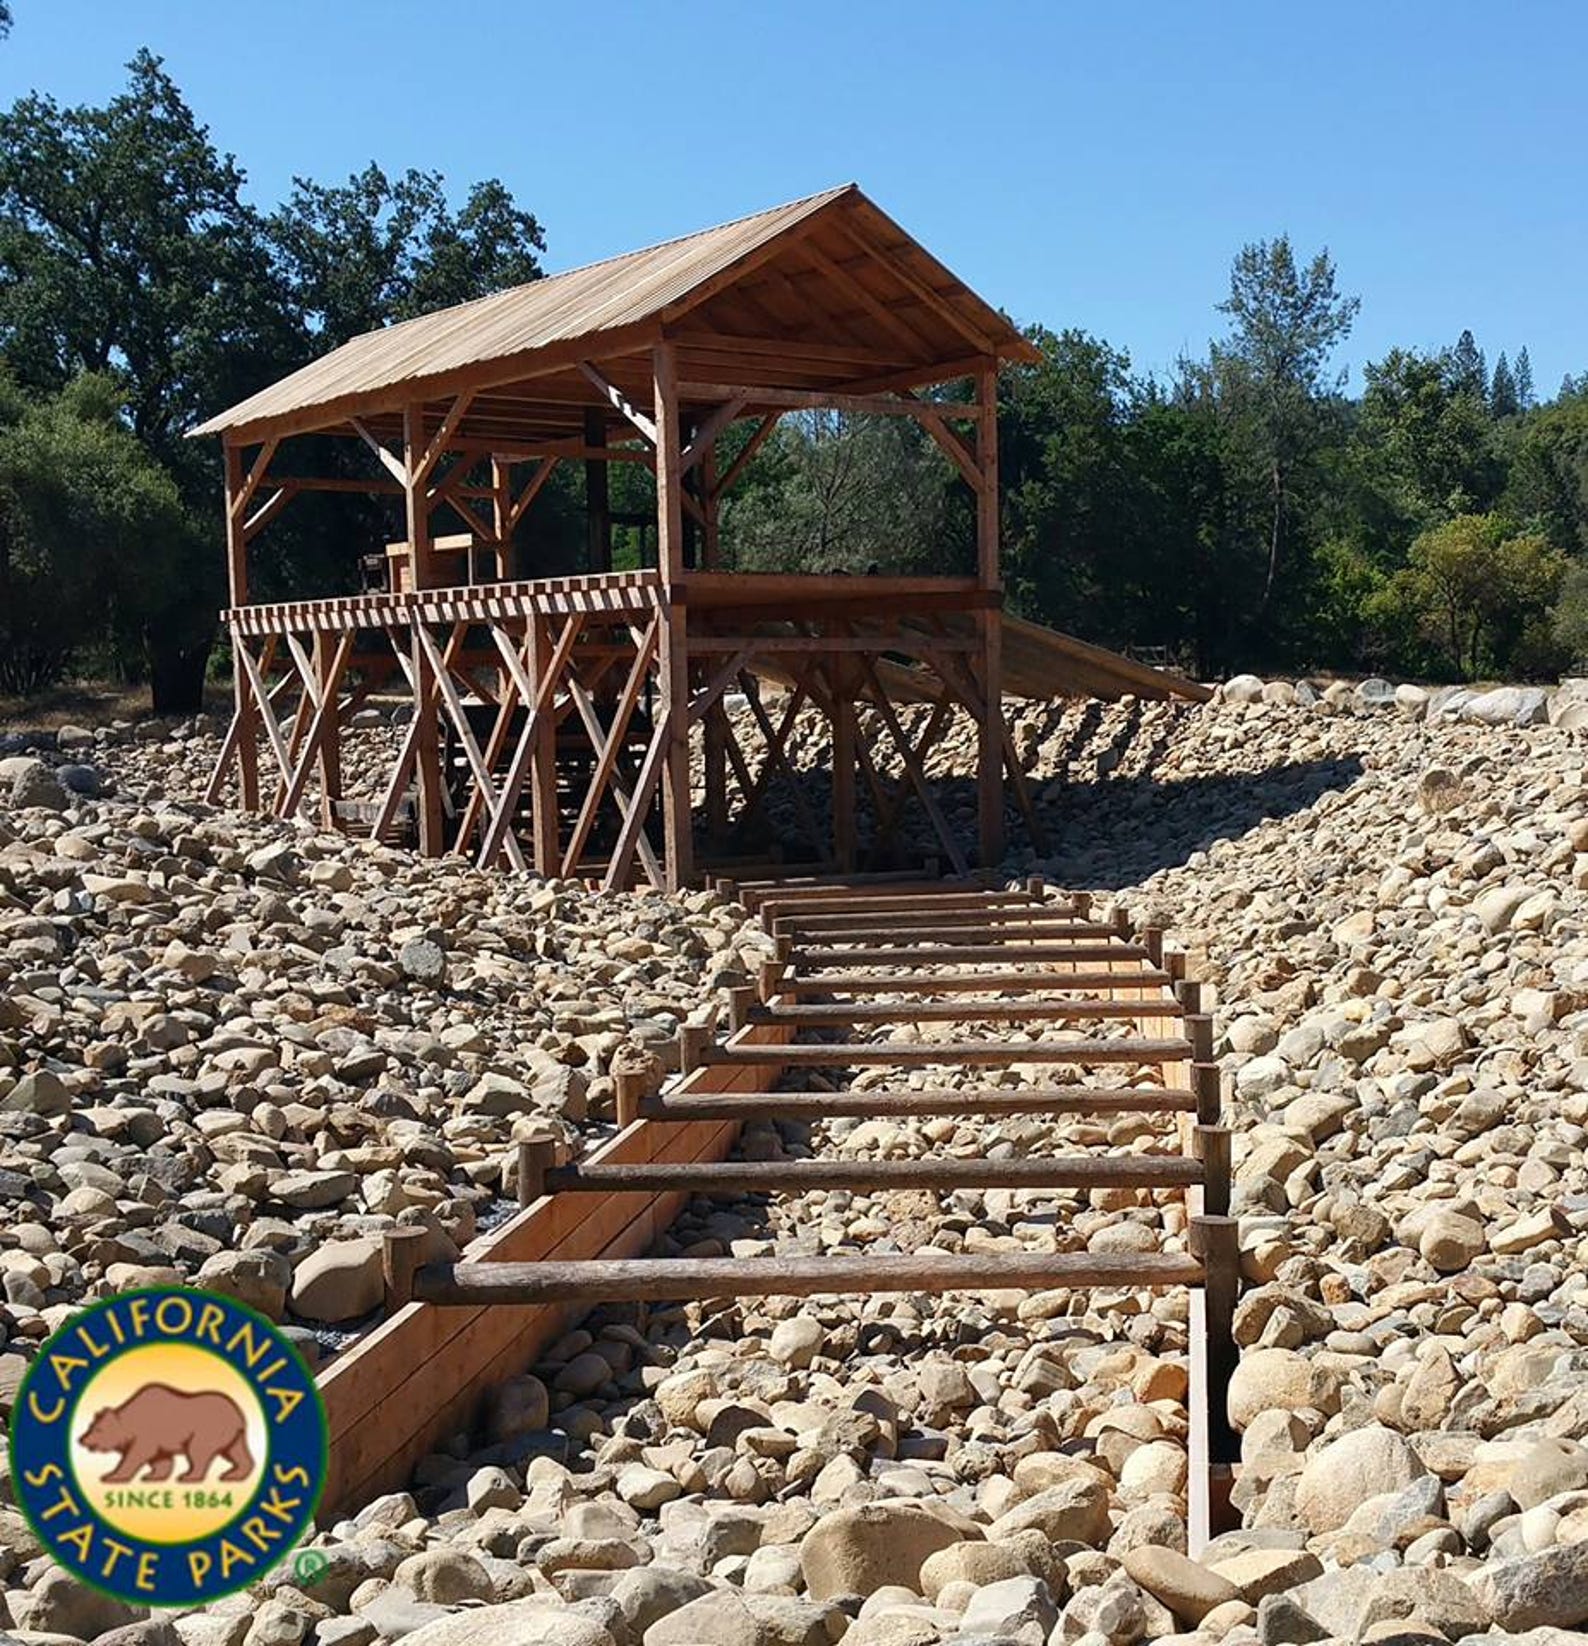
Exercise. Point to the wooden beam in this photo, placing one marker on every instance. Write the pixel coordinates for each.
(268, 510)
(762, 431)
(933, 299)
(449, 426)
(661, 1279)
(610, 746)
(867, 405)
(471, 749)
(392, 464)
(707, 434)
(616, 398)
(256, 474)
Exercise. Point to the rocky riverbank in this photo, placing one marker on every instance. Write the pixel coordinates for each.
(1392, 911)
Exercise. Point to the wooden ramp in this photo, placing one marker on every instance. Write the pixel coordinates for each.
(1104, 1015)
(1038, 663)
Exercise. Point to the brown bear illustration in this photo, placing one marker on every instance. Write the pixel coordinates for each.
(154, 1426)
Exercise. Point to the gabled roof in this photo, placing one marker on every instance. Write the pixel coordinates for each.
(830, 279)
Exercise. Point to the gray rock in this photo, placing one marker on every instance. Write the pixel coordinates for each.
(423, 961)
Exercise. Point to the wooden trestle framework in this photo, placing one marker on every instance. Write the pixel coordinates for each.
(553, 721)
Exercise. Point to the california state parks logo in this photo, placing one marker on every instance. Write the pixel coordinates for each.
(168, 1446)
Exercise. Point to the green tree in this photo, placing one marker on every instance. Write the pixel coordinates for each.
(845, 494)
(1548, 479)
(91, 528)
(1428, 438)
(357, 255)
(1469, 372)
(1285, 323)
(125, 249)
(1569, 620)
(1523, 372)
(1503, 399)
(1475, 587)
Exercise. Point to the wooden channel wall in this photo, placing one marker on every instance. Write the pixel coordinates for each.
(421, 1376)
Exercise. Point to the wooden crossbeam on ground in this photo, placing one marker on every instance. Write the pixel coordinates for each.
(668, 1279)
(836, 1014)
(1037, 1100)
(965, 1053)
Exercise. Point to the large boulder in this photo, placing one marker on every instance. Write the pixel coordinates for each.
(1282, 1380)
(855, 1551)
(534, 1622)
(36, 785)
(1548, 1590)
(340, 1280)
(727, 1618)
(1075, 1511)
(1362, 1464)
(1510, 706)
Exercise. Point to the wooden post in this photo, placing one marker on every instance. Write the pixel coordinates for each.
(1152, 942)
(399, 1258)
(543, 754)
(770, 975)
(678, 822)
(427, 740)
(331, 743)
(1199, 1031)
(740, 1000)
(693, 1039)
(1213, 1150)
(631, 1090)
(598, 507)
(536, 1157)
(237, 585)
(1216, 1241)
(990, 739)
(1205, 1084)
(716, 727)
(501, 509)
(843, 744)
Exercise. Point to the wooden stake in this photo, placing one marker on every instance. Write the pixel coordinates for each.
(631, 1092)
(1213, 1149)
(400, 1248)
(536, 1157)
(1216, 1240)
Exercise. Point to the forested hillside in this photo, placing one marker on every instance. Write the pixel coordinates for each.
(1247, 511)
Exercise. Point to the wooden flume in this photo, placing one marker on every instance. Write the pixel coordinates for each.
(1168, 1077)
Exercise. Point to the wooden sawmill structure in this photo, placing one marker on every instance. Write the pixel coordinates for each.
(554, 716)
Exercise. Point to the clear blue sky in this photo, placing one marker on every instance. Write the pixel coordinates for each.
(1083, 164)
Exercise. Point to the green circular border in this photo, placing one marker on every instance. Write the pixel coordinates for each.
(106, 1303)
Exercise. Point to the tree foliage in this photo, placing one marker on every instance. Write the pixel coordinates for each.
(1474, 587)
(127, 250)
(91, 528)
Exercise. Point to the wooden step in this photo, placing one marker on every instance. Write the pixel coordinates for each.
(987, 982)
(735, 1177)
(639, 1280)
(1054, 1100)
(914, 917)
(904, 935)
(954, 954)
(840, 1053)
(836, 1014)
